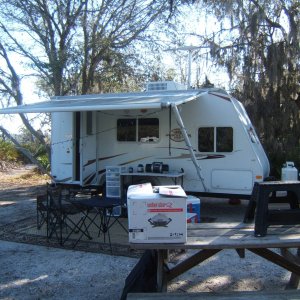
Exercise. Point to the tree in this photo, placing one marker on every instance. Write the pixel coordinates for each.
(69, 44)
(257, 41)
(10, 84)
(108, 29)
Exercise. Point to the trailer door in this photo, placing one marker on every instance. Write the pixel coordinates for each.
(88, 148)
(62, 146)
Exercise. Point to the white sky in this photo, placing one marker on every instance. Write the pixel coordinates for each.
(196, 23)
(13, 122)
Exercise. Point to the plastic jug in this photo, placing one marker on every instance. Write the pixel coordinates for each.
(289, 172)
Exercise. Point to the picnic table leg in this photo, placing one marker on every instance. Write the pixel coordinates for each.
(162, 284)
(294, 279)
(261, 218)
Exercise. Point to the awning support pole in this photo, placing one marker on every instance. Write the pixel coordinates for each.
(189, 145)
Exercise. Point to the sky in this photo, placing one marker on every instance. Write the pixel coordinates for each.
(196, 23)
(13, 122)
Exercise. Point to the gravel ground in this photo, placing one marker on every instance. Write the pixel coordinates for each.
(38, 272)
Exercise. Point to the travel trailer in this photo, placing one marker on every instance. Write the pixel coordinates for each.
(205, 134)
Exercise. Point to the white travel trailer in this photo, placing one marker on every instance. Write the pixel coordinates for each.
(205, 133)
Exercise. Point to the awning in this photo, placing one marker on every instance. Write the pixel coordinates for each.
(102, 102)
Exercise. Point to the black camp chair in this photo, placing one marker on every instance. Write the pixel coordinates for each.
(59, 214)
(41, 210)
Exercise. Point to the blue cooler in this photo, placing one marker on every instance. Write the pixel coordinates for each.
(191, 218)
(193, 206)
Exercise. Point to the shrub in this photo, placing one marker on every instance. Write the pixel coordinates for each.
(8, 152)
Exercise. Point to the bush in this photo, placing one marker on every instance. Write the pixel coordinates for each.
(10, 155)
(44, 161)
(8, 152)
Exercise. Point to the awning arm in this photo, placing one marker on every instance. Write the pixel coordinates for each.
(189, 145)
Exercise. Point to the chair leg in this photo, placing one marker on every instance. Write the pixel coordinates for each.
(41, 210)
(77, 227)
(37, 220)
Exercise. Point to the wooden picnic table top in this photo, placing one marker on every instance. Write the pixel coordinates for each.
(211, 238)
(231, 236)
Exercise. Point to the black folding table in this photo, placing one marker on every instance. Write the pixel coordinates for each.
(103, 207)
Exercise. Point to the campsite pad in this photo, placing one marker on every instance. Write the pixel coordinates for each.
(25, 230)
(18, 200)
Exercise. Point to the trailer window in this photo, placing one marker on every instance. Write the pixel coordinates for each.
(224, 139)
(148, 130)
(206, 139)
(215, 139)
(126, 130)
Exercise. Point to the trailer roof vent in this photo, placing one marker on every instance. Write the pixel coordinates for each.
(164, 86)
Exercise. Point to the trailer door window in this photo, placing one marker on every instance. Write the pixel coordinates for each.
(148, 130)
(126, 130)
(215, 139)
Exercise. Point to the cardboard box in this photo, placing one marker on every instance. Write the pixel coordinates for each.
(156, 215)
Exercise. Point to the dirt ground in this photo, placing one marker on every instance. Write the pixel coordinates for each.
(37, 272)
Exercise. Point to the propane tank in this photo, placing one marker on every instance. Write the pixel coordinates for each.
(289, 172)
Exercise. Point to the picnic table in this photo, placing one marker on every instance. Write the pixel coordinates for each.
(208, 239)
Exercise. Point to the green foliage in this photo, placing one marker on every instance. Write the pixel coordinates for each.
(39, 152)
(8, 152)
(44, 161)
(260, 49)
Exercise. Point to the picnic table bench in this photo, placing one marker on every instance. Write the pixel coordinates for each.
(208, 239)
(261, 295)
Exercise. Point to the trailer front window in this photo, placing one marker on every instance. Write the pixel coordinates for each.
(224, 139)
(206, 139)
(215, 139)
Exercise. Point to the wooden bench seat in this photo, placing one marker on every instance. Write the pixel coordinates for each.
(260, 295)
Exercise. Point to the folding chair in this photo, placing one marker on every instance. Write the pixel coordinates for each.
(59, 212)
(41, 210)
